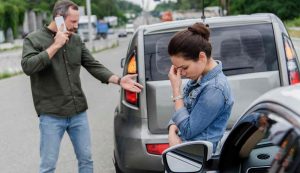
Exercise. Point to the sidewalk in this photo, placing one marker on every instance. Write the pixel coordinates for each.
(7, 46)
(10, 59)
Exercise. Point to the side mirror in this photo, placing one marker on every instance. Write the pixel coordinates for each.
(187, 157)
(122, 62)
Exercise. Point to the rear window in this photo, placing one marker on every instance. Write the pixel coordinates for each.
(242, 49)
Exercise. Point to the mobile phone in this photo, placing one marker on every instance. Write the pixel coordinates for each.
(59, 20)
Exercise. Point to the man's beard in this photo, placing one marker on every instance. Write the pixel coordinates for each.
(74, 30)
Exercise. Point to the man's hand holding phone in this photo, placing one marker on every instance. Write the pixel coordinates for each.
(62, 35)
(60, 23)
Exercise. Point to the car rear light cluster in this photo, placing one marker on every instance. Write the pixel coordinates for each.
(131, 97)
(156, 149)
(292, 62)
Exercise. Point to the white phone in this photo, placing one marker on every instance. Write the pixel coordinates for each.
(59, 21)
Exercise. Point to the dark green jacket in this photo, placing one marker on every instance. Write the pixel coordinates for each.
(55, 83)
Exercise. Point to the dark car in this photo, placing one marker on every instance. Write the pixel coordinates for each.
(257, 55)
(265, 139)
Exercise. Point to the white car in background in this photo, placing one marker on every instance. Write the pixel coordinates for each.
(129, 28)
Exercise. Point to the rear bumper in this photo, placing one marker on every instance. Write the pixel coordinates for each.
(130, 139)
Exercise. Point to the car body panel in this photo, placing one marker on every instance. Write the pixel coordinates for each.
(288, 96)
(160, 104)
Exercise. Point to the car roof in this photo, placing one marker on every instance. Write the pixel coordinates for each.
(288, 96)
(212, 21)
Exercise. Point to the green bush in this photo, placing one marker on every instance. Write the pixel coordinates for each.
(293, 23)
(8, 75)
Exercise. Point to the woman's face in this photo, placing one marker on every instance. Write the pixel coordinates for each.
(189, 68)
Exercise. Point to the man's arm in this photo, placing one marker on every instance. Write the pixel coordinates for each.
(114, 79)
(34, 60)
(100, 72)
(127, 82)
(59, 41)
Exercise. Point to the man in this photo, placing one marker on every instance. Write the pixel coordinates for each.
(52, 58)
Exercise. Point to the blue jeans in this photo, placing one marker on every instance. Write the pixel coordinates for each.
(52, 130)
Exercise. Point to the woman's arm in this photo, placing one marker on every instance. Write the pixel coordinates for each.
(173, 137)
(209, 104)
(176, 82)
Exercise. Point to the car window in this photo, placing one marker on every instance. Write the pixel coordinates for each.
(157, 59)
(242, 49)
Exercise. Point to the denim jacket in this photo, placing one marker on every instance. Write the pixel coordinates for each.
(207, 107)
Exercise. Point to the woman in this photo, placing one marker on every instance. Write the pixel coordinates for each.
(202, 110)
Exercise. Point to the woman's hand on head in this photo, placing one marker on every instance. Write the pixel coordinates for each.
(175, 78)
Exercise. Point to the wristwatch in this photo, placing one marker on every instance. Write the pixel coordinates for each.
(119, 81)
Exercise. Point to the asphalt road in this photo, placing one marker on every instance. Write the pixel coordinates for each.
(19, 134)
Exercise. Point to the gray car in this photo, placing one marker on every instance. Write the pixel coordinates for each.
(257, 56)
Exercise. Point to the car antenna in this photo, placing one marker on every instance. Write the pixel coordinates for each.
(203, 14)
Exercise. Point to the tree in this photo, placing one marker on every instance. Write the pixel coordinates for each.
(12, 11)
(186, 5)
(12, 14)
(282, 8)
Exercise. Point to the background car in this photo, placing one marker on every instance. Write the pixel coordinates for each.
(257, 55)
(265, 139)
(122, 33)
(129, 27)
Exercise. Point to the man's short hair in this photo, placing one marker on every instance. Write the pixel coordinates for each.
(61, 8)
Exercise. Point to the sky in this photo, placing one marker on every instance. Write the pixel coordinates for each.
(148, 4)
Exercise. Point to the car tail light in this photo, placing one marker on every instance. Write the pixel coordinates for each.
(131, 97)
(156, 149)
(292, 62)
(132, 65)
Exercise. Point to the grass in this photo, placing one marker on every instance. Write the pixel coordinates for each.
(13, 48)
(294, 33)
(8, 75)
(293, 23)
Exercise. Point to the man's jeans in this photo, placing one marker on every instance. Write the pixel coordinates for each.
(52, 130)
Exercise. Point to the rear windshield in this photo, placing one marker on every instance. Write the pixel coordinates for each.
(242, 49)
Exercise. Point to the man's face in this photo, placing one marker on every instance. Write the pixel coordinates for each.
(71, 20)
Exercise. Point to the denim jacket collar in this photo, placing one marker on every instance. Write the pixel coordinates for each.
(211, 74)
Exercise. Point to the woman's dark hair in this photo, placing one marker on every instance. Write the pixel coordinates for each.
(61, 8)
(190, 42)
